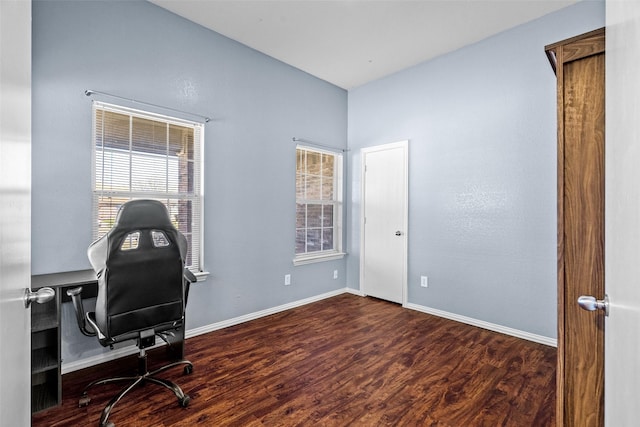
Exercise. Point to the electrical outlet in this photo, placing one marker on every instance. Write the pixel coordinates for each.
(335, 274)
(287, 279)
(424, 281)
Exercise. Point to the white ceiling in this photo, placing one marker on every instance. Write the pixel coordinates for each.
(352, 42)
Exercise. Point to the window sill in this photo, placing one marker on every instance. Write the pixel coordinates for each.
(202, 275)
(310, 259)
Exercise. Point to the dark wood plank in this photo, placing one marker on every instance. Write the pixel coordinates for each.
(343, 361)
(580, 226)
(579, 63)
(574, 48)
(584, 201)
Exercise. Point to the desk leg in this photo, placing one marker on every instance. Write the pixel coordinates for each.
(175, 349)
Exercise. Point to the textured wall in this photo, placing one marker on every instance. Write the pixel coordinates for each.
(140, 51)
(481, 125)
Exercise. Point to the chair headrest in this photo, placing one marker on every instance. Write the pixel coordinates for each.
(143, 214)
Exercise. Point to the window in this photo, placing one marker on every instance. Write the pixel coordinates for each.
(143, 155)
(318, 205)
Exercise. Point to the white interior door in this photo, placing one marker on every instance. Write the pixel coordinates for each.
(383, 256)
(622, 219)
(15, 211)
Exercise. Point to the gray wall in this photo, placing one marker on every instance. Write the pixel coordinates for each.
(481, 124)
(140, 51)
(482, 172)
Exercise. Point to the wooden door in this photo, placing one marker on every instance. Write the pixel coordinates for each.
(580, 67)
(384, 222)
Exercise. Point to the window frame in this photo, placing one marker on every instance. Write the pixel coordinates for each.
(337, 202)
(197, 197)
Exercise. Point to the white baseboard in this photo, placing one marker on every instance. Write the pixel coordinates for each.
(552, 342)
(129, 350)
(357, 292)
(258, 314)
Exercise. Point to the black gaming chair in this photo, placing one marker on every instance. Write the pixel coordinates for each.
(142, 290)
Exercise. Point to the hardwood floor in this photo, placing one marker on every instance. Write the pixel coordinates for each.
(342, 361)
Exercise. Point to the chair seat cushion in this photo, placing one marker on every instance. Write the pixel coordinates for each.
(129, 334)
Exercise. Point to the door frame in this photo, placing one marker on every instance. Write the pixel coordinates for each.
(404, 145)
(559, 54)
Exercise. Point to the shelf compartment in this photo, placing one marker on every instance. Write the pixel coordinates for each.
(43, 359)
(44, 316)
(44, 390)
(45, 354)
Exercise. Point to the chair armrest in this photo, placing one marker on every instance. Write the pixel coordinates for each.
(92, 321)
(189, 278)
(76, 299)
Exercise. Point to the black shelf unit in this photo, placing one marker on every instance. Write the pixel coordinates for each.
(46, 387)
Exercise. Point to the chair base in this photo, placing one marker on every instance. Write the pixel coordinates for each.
(143, 377)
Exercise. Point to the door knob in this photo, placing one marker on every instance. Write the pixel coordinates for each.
(40, 296)
(398, 233)
(589, 303)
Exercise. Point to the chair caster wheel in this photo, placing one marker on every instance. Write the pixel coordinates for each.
(188, 369)
(84, 400)
(184, 402)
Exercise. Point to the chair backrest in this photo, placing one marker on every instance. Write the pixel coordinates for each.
(139, 264)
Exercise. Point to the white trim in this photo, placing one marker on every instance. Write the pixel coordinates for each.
(131, 349)
(258, 314)
(318, 258)
(356, 292)
(201, 275)
(552, 342)
(196, 196)
(337, 201)
(320, 149)
(145, 114)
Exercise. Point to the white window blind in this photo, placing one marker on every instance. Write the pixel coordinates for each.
(142, 155)
(318, 203)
